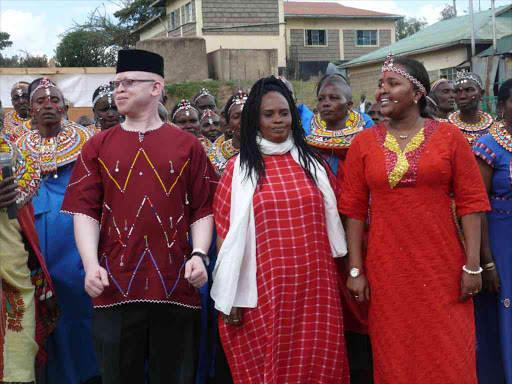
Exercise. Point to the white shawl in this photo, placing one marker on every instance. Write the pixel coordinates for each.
(234, 282)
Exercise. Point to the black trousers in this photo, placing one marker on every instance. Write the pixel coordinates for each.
(166, 336)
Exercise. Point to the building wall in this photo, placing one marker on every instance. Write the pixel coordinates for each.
(363, 79)
(156, 30)
(386, 26)
(353, 51)
(188, 29)
(259, 17)
(298, 51)
(242, 64)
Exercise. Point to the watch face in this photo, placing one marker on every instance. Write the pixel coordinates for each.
(354, 272)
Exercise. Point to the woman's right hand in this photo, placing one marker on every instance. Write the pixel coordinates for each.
(359, 288)
(491, 281)
(235, 318)
(8, 192)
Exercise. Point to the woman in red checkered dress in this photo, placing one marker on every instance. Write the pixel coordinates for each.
(275, 278)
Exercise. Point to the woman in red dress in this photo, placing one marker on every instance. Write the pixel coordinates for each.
(417, 275)
(278, 230)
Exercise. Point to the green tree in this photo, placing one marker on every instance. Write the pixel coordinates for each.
(448, 13)
(134, 13)
(85, 48)
(4, 40)
(26, 60)
(409, 26)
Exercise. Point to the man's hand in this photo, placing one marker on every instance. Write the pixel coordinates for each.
(96, 279)
(195, 272)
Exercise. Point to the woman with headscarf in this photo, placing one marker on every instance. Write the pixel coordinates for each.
(105, 110)
(418, 275)
(28, 305)
(57, 146)
(493, 306)
(278, 231)
(470, 119)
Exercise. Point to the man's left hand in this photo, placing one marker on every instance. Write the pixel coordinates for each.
(195, 272)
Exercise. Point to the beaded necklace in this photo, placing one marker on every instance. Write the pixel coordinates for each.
(54, 152)
(27, 171)
(502, 136)
(15, 119)
(472, 131)
(221, 155)
(322, 138)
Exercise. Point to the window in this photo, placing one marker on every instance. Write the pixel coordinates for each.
(189, 14)
(315, 37)
(366, 37)
(173, 20)
(449, 73)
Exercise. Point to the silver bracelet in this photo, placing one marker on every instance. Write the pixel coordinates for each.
(469, 271)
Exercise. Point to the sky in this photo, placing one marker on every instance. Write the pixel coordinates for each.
(35, 25)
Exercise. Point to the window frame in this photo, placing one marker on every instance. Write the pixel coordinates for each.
(316, 45)
(173, 19)
(449, 74)
(377, 43)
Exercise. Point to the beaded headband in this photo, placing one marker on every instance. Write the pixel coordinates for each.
(209, 114)
(186, 106)
(463, 77)
(46, 84)
(203, 92)
(18, 89)
(389, 67)
(239, 99)
(105, 90)
(431, 100)
(437, 82)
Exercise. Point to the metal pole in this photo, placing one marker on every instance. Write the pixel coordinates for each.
(494, 39)
(473, 44)
(455, 7)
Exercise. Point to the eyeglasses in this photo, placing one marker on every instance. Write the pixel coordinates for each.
(127, 83)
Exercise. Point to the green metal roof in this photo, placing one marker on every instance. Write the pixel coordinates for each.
(503, 45)
(443, 34)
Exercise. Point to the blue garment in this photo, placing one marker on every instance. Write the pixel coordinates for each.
(71, 356)
(493, 314)
(305, 116)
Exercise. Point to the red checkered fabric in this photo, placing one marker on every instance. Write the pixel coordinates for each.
(295, 335)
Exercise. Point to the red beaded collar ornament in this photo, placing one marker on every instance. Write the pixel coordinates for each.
(210, 115)
(389, 67)
(186, 106)
(239, 99)
(203, 92)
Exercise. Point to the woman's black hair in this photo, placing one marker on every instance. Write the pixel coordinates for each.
(419, 72)
(230, 103)
(505, 91)
(250, 155)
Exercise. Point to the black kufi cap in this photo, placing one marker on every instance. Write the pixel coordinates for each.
(139, 60)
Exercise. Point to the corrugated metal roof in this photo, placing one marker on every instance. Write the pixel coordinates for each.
(443, 34)
(326, 8)
(504, 45)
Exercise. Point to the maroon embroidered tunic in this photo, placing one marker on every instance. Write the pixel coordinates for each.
(146, 190)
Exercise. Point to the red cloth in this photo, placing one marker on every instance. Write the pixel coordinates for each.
(45, 321)
(146, 193)
(420, 331)
(295, 335)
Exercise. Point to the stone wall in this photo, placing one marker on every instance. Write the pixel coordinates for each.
(258, 17)
(185, 57)
(242, 64)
